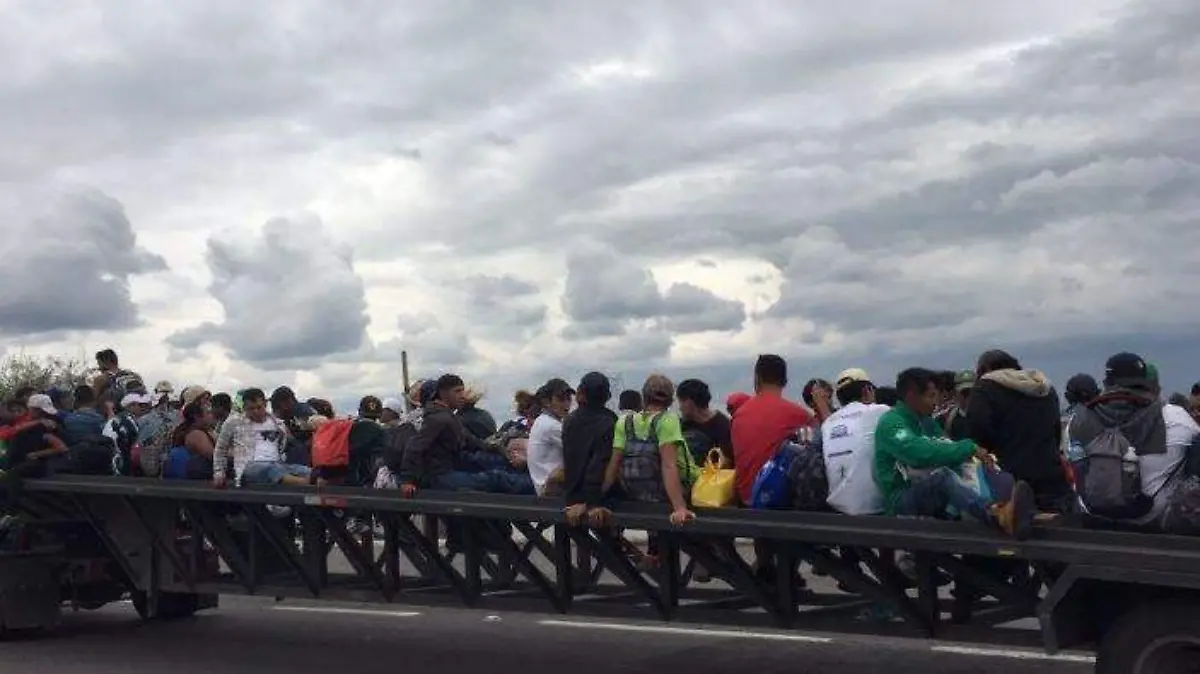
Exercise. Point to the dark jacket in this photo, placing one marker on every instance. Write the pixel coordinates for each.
(366, 451)
(587, 436)
(435, 448)
(1015, 414)
(478, 422)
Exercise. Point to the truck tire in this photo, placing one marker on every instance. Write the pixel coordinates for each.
(1161, 637)
(171, 605)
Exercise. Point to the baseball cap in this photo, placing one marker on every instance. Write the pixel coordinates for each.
(1128, 369)
(596, 387)
(736, 400)
(370, 407)
(192, 393)
(554, 388)
(164, 386)
(137, 399)
(964, 380)
(394, 404)
(41, 401)
(852, 375)
(1152, 373)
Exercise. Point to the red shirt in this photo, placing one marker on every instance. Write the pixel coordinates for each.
(759, 427)
(7, 432)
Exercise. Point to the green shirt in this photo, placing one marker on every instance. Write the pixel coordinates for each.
(670, 431)
(903, 439)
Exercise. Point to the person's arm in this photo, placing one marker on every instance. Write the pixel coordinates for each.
(910, 448)
(613, 470)
(575, 449)
(54, 447)
(799, 417)
(199, 443)
(672, 482)
(221, 450)
(598, 461)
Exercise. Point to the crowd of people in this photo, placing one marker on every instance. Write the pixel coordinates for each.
(993, 443)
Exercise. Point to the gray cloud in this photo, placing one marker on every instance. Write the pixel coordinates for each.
(606, 291)
(925, 178)
(69, 260)
(290, 296)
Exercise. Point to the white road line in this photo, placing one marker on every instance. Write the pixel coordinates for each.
(654, 629)
(1014, 654)
(347, 611)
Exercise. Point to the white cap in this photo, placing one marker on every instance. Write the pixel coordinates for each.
(850, 376)
(137, 399)
(41, 401)
(393, 404)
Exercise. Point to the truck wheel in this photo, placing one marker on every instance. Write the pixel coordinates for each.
(171, 605)
(1154, 638)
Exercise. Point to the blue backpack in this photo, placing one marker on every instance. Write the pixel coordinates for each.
(773, 485)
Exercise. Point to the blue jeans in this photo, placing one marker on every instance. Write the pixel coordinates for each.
(930, 496)
(490, 481)
(262, 472)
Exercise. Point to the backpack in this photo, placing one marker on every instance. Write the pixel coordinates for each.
(641, 464)
(395, 442)
(808, 480)
(331, 444)
(1108, 476)
(772, 487)
(155, 448)
(91, 456)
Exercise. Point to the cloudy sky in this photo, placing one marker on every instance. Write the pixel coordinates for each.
(293, 191)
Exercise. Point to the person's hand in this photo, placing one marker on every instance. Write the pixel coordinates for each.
(682, 516)
(408, 490)
(599, 517)
(575, 513)
(986, 457)
(219, 481)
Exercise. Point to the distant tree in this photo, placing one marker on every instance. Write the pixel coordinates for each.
(41, 373)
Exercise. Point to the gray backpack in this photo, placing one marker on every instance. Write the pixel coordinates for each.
(1108, 475)
(641, 464)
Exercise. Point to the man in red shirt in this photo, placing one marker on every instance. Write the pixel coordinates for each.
(764, 422)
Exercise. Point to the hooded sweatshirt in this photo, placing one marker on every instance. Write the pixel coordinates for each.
(1015, 414)
(434, 451)
(587, 439)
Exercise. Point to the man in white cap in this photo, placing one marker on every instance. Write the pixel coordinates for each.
(393, 410)
(37, 439)
(848, 445)
(122, 429)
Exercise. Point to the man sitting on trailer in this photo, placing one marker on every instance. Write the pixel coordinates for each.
(917, 468)
(256, 440)
(847, 441)
(587, 438)
(1159, 437)
(431, 458)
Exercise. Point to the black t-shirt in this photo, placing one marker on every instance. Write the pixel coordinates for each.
(716, 432)
(28, 441)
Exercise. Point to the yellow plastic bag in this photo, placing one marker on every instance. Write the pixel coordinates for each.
(715, 488)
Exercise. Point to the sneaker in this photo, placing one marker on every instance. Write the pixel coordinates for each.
(1015, 517)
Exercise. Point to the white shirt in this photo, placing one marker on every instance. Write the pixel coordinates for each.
(266, 449)
(848, 444)
(545, 452)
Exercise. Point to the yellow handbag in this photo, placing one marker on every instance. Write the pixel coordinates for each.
(715, 488)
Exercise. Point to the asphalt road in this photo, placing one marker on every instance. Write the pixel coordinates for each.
(258, 636)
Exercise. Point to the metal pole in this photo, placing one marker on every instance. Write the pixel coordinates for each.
(404, 378)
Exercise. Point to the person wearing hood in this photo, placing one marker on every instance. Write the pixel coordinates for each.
(587, 440)
(1015, 414)
(1160, 435)
(476, 420)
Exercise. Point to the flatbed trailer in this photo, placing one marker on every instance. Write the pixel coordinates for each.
(1132, 598)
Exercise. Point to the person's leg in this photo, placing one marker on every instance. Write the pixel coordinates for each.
(930, 495)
